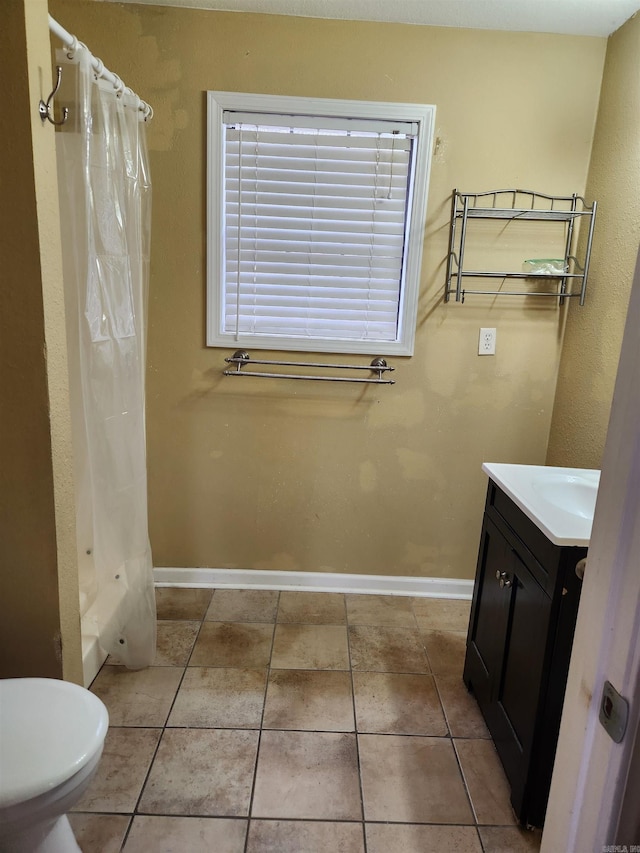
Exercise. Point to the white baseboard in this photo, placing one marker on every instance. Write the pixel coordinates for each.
(314, 581)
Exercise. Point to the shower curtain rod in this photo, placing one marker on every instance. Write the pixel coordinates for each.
(98, 66)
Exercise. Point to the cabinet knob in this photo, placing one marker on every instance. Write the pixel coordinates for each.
(580, 567)
(503, 579)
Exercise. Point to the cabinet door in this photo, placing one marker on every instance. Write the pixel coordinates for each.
(505, 653)
(489, 620)
(517, 691)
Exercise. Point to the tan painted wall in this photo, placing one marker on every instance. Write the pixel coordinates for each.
(40, 613)
(594, 334)
(294, 476)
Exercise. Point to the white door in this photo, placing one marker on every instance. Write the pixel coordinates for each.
(587, 807)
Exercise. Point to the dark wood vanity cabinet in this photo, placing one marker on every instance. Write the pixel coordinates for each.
(523, 616)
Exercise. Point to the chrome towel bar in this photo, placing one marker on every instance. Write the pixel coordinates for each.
(241, 358)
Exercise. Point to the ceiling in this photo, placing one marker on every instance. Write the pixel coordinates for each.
(570, 17)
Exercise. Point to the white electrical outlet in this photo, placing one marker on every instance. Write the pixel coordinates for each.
(487, 342)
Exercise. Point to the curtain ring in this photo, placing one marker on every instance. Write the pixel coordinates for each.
(72, 48)
(119, 86)
(100, 69)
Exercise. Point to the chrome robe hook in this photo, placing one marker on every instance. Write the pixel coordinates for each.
(46, 109)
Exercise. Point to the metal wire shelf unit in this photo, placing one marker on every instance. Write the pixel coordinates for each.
(512, 205)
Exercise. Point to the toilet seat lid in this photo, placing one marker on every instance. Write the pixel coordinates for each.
(49, 730)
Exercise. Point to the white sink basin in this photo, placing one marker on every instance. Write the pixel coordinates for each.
(574, 494)
(560, 501)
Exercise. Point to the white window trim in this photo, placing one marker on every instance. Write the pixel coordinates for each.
(422, 114)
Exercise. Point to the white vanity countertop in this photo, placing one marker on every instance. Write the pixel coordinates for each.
(560, 501)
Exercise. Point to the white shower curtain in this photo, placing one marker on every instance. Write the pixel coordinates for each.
(105, 205)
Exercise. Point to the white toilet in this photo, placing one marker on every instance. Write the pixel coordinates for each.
(51, 738)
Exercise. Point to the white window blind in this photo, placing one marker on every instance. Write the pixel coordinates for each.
(315, 219)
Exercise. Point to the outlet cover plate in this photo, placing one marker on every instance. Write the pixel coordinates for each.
(487, 342)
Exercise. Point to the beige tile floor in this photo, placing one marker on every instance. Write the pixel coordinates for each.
(294, 722)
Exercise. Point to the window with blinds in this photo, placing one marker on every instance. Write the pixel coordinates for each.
(316, 223)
